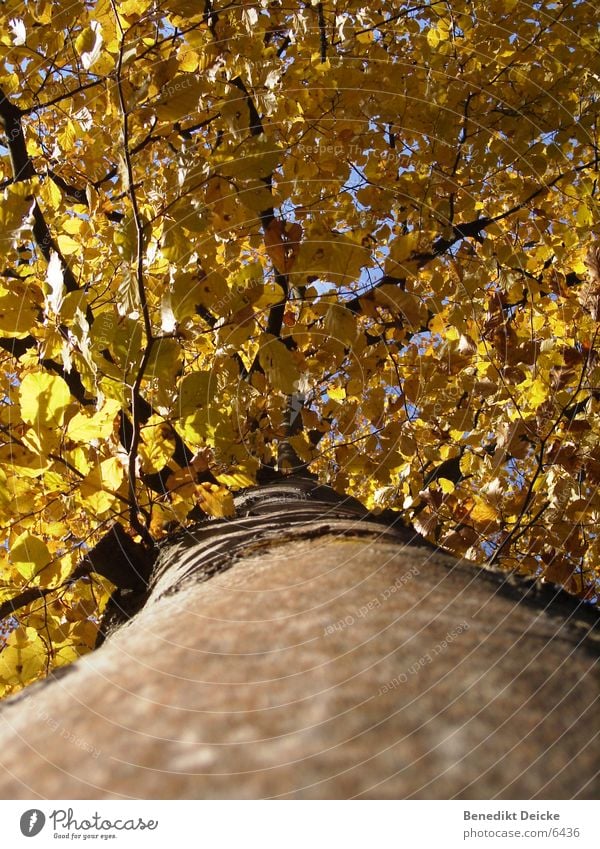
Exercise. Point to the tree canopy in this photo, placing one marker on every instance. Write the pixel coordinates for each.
(249, 235)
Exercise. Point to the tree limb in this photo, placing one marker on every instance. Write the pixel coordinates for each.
(137, 402)
(23, 169)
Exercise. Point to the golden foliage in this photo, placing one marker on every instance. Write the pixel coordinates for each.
(382, 223)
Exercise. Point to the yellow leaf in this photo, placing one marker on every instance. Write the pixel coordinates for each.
(52, 195)
(538, 393)
(337, 393)
(85, 40)
(433, 37)
(271, 294)
(437, 324)
(180, 97)
(257, 157)
(237, 479)
(482, 512)
(195, 391)
(584, 216)
(447, 486)
(279, 365)
(340, 324)
(29, 555)
(16, 205)
(256, 196)
(185, 9)
(330, 255)
(97, 488)
(22, 461)
(67, 244)
(83, 428)
(175, 245)
(403, 246)
(23, 657)
(72, 302)
(192, 290)
(407, 306)
(44, 399)
(17, 316)
(158, 445)
(125, 238)
(215, 500)
(165, 359)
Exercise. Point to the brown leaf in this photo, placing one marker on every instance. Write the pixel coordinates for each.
(282, 242)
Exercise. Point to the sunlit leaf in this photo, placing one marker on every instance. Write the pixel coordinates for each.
(44, 399)
(29, 555)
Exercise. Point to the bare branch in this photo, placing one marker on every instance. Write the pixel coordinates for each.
(136, 399)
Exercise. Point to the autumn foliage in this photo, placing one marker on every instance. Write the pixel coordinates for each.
(365, 238)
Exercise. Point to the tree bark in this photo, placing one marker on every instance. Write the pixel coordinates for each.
(306, 649)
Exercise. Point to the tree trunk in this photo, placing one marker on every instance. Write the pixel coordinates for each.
(306, 649)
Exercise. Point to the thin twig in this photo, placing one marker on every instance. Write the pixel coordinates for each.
(137, 401)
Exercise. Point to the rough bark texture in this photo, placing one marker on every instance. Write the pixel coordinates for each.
(312, 652)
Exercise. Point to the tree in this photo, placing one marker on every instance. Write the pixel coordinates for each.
(245, 241)
(314, 651)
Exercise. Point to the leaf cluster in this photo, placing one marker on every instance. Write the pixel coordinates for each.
(236, 237)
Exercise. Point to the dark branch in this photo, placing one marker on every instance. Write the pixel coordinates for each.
(23, 169)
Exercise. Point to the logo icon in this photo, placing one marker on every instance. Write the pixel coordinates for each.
(32, 822)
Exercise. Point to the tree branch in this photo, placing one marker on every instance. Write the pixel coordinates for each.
(8, 608)
(29, 110)
(267, 216)
(136, 398)
(23, 169)
(115, 556)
